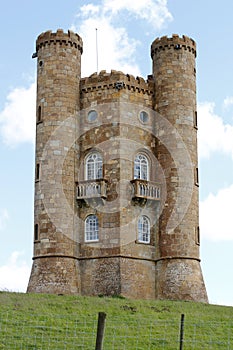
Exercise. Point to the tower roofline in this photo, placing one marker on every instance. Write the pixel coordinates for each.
(105, 80)
(69, 38)
(175, 42)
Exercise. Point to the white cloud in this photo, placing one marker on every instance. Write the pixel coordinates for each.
(228, 101)
(216, 215)
(4, 216)
(153, 11)
(116, 50)
(213, 135)
(89, 10)
(14, 275)
(17, 119)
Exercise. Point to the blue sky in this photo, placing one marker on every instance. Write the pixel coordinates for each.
(126, 29)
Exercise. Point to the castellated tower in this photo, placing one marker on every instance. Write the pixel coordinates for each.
(58, 83)
(116, 178)
(175, 99)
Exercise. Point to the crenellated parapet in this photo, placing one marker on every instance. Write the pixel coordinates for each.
(116, 80)
(60, 37)
(175, 42)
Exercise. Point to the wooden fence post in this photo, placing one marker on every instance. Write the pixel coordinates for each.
(100, 331)
(181, 331)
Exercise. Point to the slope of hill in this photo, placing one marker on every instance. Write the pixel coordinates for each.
(39, 321)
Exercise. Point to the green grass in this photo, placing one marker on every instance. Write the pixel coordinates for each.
(39, 321)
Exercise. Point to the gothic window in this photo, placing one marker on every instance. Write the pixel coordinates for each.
(144, 229)
(91, 228)
(94, 166)
(141, 167)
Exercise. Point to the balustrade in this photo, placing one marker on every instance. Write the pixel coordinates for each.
(146, 189)
(91, 189)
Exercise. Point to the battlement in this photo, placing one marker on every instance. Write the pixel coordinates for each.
(175, 42)
(70, 38)
(116, 80)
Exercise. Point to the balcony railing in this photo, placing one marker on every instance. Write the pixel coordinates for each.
(91, 189)
(146, 189)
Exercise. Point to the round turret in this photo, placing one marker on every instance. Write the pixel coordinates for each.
(58, 102)
(175, 103)
(175, 42)
(70, 38)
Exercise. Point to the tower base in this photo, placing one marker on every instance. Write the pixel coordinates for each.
(122, 275)
(63, 276)
(180, 279)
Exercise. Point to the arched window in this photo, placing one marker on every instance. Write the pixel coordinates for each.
(141, 167)
(91, 228)
(144, 229)
(94, 166)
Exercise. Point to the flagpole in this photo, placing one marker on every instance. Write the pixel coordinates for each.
(97, 63)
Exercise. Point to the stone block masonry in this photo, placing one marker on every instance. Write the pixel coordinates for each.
(116, 187)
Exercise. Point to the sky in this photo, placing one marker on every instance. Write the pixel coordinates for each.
(126, 30)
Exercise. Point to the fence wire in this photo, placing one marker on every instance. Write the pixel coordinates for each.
(45, 332)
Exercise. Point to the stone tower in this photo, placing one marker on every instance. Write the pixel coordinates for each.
(175, 99)
(58, 85)
(116, 178)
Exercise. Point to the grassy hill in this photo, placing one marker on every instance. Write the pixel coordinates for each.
(39, 321)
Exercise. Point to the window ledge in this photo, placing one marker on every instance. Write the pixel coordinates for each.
(142, 242)
(92, 241)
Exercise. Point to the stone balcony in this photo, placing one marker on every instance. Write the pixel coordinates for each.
(91, 189)
(146, 189)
